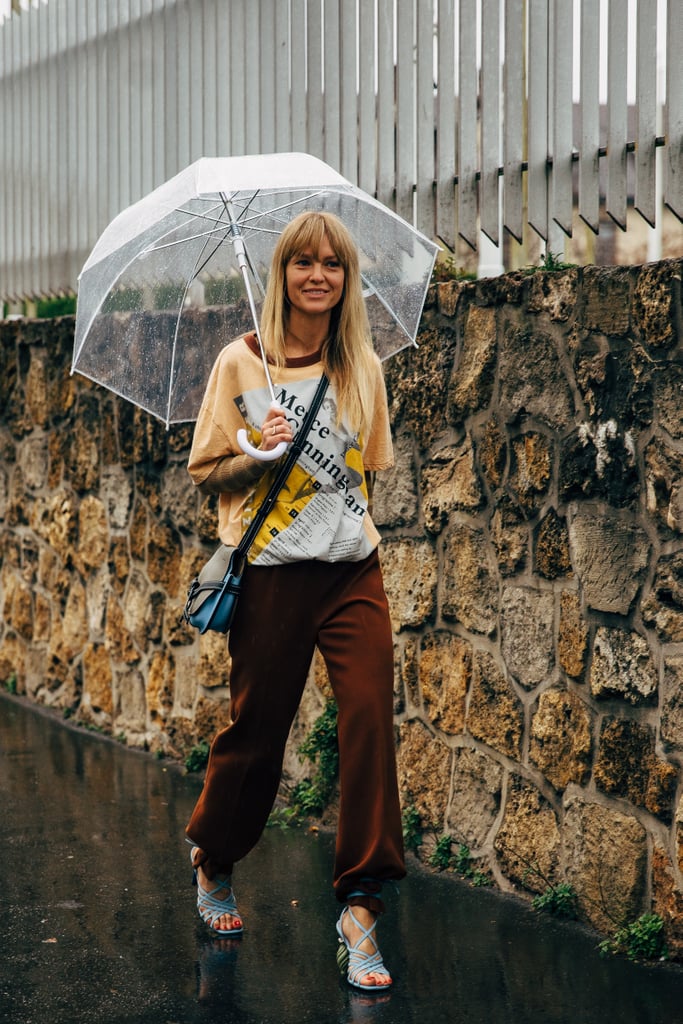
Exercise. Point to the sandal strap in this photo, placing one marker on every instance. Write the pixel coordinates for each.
(360, 963)
(210, 907)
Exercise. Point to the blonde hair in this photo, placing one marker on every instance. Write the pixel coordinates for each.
(347, 354)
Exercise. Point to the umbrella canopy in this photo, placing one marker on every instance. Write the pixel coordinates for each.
(182, 272)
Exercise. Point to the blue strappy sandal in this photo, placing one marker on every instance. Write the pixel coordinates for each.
(354, 962)
(210, 908)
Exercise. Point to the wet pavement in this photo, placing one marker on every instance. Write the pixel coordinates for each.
(98, 924)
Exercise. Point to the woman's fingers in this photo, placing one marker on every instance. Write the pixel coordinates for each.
(274, 431)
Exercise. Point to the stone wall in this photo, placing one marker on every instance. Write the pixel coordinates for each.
(532, 555)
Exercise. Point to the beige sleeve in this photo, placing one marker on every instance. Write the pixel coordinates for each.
(378, 453)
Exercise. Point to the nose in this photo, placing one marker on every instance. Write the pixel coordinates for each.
(316, 270)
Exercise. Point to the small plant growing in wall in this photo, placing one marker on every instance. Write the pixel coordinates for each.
(447, 269)
(559, 900)
(440, 856)
(198, 757)
(550, 263)
(11, 683)
(412, 828)
(642, 939)
(464, 866)
(311, 796)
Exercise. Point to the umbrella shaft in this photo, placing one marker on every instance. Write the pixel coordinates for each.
(240, 254)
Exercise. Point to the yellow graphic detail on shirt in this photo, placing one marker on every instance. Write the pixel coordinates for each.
(298, 490)
(354, 462)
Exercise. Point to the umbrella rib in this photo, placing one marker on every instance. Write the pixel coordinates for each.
(371, 290)
(198, 269)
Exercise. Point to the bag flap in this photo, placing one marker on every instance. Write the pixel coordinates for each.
(217, 565)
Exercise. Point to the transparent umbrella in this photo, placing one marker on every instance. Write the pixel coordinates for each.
(181, 273)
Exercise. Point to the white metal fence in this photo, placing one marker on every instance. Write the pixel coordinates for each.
(460, 114)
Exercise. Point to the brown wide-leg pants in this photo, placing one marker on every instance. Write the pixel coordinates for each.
(283, 613)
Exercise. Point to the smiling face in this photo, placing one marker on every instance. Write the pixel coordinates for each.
(315, 280)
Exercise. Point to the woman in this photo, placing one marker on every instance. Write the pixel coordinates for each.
(313, 580)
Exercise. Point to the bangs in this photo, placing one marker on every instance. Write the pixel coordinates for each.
(306, 232)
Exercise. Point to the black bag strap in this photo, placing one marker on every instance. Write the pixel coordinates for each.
(283, 472)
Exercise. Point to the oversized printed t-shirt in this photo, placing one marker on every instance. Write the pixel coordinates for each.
(322, 511)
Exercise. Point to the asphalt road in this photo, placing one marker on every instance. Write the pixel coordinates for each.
(98, 923)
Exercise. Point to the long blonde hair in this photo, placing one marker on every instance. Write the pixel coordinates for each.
(347, 353)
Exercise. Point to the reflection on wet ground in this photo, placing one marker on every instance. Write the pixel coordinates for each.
(98, 923)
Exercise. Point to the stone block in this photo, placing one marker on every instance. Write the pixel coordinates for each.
(449, 295)
(605, 855)
(410, 576)
(449, 482)
(607, 300)
(131, 707)
(678, 821)
(528, 842)
(163, 557)
(662, 608)
(406, 658)
(394, 500)
(532, 380)
(82, 453)
(554, 294)
(531, 466)
(610, 555)
(471, 383)
(424, 773)
(136, 605)
(667, 900)
(469, 584)
(561, 738)
(20, 614)
(492, 453)
(55, 519)
(97, 680)
(416, 380)
(672, 703)
(13, 660)
(623, 666)
(668, 388)
(551, 548)
(118, 563)
(37, 388)
(179, 496)
(116, 493)
(211, 715)
(213, 669)
(627, 766)
(93, 535)
(445, 674)
(475, 798)
(495, 714)
(74, 621)
(34, 462)
(118, 639)
(160, 686)
(4, 493)
(572, 641)
(656, 299)
(42, 619)
(527, 634)
(664, 486)
(510, 536)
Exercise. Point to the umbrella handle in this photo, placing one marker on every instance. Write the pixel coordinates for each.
(257, 453)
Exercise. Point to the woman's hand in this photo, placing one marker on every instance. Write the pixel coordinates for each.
(274, 430)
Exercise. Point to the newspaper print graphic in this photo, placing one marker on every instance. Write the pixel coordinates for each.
(320, 510)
